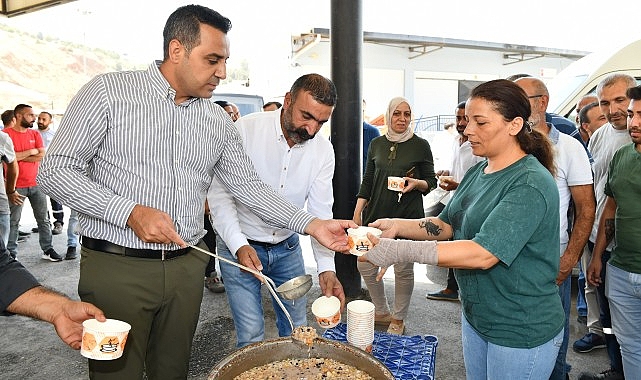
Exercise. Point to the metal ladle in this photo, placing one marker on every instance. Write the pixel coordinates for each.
(295, 288)
(292, 289)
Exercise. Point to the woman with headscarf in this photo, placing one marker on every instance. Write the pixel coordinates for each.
(399, 153)
(503, 221)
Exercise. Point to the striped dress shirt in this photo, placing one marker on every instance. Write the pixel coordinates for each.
(123, 141)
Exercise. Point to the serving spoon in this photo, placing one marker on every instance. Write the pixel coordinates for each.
(292, 289)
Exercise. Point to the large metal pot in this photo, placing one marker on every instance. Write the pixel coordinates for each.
(268, 351)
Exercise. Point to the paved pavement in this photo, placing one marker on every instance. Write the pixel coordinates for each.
(31, 350)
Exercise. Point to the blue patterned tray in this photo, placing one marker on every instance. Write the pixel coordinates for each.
(407, 357)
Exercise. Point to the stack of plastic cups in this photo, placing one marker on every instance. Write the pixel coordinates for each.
(360, 324)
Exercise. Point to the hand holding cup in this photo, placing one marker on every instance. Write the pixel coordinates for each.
(358, 239)
(374, 241)
(447, 182)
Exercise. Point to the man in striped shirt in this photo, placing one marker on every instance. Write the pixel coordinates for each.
(135, 155)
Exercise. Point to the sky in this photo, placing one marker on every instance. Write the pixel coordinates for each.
(134, 27)
(262, 30)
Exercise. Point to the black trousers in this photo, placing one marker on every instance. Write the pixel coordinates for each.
(210, 241)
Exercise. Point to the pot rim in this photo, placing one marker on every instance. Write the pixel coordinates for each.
(267, 351)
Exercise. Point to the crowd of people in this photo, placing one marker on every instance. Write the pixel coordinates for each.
(531, 196)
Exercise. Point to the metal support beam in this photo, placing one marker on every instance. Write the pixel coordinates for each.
(347, 123)
(423, 49)
(521, 57)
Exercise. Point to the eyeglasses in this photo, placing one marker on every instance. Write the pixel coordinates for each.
(535, 96)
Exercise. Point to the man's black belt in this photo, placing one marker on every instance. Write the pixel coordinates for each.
(264, 245)
(108, 247)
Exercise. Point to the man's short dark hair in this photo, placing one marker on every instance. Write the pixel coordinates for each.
(322, 89)
(19, 108)
(222, 103)
(461, 106)
(583, 114)
(7, 116)
(634, 93)
(277, 104)
(184, 25)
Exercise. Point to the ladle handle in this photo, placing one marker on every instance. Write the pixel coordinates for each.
(269, 282)
(254, 271)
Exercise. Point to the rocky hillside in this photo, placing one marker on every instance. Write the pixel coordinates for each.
(46, 73)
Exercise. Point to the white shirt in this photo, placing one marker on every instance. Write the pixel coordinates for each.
(572, 169)
(603, 144)
(462, 160)
(47, 136)
(302, 174)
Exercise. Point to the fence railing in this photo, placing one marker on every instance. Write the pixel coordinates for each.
(432, 123)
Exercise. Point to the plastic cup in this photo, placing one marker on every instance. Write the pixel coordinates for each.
(327, 311)
(358, 241)
(360, 324)
(104, 340)
(395, 183)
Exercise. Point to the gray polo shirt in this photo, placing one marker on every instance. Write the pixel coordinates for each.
(7, 154)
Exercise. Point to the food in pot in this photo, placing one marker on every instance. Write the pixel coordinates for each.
(305, 334)
(308, 369)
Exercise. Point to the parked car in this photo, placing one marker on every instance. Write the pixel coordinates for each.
(246, 103)
(582, 77)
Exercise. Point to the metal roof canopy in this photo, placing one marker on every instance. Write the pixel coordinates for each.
(11, 8)
(421, 45)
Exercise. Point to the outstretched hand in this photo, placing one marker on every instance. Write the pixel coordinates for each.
(374, 240)
(389, 228)
(331, 233)
(68, 320)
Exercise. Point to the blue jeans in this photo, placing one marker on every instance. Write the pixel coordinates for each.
(581, 305)
(72, 234)
(484, 360)
(561, 367)
(623, 290)
(57, 211)
(5, 222)
(612, 345)
(281, 262)
(38, 201)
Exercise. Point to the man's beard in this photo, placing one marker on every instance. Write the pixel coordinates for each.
(25, 124)
(297, 135)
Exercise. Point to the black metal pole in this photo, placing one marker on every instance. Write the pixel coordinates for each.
(346, 35)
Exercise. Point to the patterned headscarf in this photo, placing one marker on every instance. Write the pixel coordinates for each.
(392, 135)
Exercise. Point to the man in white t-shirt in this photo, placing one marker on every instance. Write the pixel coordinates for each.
(574, 181)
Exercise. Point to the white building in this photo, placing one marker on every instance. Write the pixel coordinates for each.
(433, 73)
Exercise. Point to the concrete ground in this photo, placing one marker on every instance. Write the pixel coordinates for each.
(30, 349)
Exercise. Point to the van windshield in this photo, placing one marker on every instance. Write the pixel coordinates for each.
(562, 87)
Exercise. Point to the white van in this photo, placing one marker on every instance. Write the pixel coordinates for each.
(581, 77)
